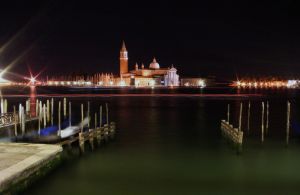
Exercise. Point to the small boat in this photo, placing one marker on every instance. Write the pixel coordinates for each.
(52, 134)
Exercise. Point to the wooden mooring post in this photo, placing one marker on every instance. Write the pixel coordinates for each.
(65, 108)
(262, 122)
(267, 118)
(48, 112)
(240, 116)
(16, 121)
(52, 110)
(59, 118)
(288, 122)
(81, 135)
(248, 118)
(228, 113)
(70, 114)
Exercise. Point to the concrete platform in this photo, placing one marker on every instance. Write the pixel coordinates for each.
(21, 162)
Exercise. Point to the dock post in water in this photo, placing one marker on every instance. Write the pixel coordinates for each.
(228, 113)
(41, 111)
(107, 121)
(262, 122)
(95, 120)
(70, 114)
(88, 114)
(2, 106)
(288, 122)
(100, 113)
(36, 107)
(99, 130)
(27, 104)
(240, 118)
(81, 135)
(20, 116)
(65, 108)
(23, 121)
(44, 115)
(59, 118)
(267, 118)
(39, 122)
(48, 111)
(249, 111)
(82, 118)
(15, 118)
(5, 105)
(52, 110)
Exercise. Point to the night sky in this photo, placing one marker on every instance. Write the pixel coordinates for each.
(224, 39)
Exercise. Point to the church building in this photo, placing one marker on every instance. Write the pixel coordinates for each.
(154, 75)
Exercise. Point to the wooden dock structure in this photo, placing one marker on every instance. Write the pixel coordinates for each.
(233, 134)
(92, 137)
(21, 163)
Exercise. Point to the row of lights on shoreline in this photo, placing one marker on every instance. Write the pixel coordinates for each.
(267, 84)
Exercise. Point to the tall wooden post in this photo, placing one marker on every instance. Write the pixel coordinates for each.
(52, 110)
(48, 111)
(262, 122)
(288, 122)
(100, 120)
(88, 113)
(5, 105)
(2, 106)
(81, 135)
(41, 111)
(267, 118)
(27, 106)
(228, 113)
(81, 118)
(95, 120)
(59, 118)
(15, 121)
(240, 118)
(39, 121)
(20, 116)
(44, 115)
(65, 108)
(37, 107)
(107, 121)
(248, 123)
(70, 114)
(23, 121)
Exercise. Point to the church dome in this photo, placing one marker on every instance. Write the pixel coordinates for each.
(154, 64)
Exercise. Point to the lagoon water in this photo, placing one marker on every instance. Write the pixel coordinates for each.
(173, 144)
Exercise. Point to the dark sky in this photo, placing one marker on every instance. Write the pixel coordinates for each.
(222, 38)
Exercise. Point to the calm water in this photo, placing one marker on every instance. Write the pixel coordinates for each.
(173, 145)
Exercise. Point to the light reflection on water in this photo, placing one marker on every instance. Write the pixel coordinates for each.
(173, 145)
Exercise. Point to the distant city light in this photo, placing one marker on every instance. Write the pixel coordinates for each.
(187, 84)
(32, 80)
(122, 83)
(268, 84)
(201, 83)
(152, 83)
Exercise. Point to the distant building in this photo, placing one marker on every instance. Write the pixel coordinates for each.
(141, 76)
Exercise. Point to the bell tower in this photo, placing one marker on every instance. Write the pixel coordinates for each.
(123, 60)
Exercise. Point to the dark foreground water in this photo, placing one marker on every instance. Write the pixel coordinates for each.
(173, 145)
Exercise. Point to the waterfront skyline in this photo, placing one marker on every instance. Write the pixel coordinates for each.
(200, 39)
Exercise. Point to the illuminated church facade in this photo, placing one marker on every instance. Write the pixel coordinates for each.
(154, 75)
